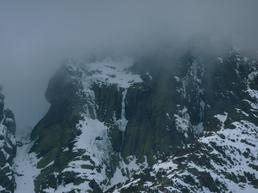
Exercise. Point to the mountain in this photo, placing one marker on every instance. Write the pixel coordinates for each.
(157, 123)
(7, 148)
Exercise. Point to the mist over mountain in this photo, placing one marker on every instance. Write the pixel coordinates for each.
(128, 96)
(35, 37)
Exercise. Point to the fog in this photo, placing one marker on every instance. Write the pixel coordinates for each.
(36, 36)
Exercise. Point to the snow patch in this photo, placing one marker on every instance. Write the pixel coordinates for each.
(25, 167)
(222, 118)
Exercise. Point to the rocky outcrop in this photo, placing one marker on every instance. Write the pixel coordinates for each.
(119, 126)
(7, 148)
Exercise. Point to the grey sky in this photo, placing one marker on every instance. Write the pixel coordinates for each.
(36, 35)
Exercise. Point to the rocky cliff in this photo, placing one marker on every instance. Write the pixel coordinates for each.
(7, 148)
(115, 125)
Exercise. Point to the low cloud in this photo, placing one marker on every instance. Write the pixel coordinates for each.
(35, 36)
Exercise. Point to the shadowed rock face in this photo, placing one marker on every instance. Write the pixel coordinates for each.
(102, 121)
(175, 106)
(7, 148)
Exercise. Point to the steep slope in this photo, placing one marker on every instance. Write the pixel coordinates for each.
(119, 126)
(7, 148)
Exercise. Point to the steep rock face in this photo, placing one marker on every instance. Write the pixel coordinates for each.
(69, 153)
(56, 132)
(216, 110)
(114, 125)
(7, 148)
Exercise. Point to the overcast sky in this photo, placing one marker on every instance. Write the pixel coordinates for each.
(36, 35)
